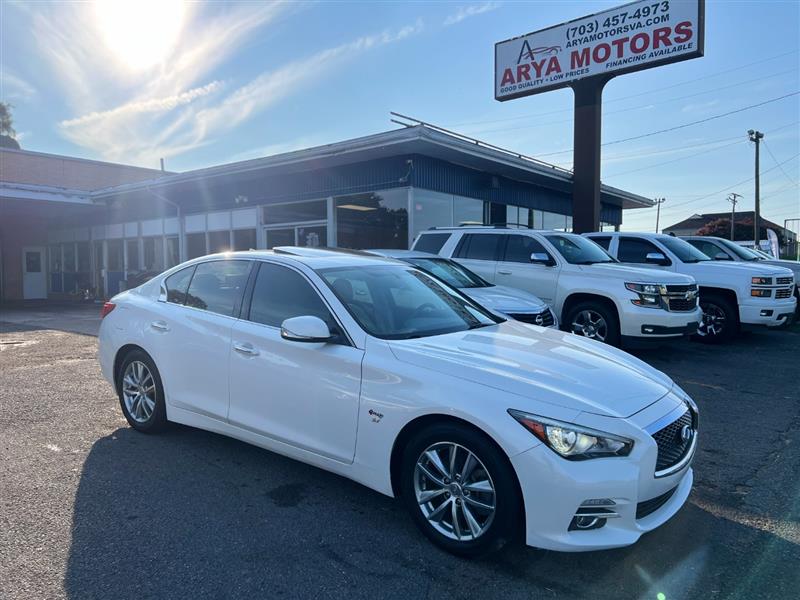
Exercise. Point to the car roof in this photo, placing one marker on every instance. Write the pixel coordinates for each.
(317, 259)
(402, 254)
(503, 229)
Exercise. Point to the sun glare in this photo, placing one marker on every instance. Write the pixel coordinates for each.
(140, 33)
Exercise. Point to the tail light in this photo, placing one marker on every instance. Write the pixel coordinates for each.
(107, 308)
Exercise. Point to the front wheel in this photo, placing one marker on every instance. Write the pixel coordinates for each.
(593, 320)
(720, 320)
(461, 490)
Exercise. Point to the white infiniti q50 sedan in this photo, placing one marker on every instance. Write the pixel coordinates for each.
(488, 430)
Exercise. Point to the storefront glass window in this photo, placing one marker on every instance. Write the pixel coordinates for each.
(173, 254)
(373, 220)
(296, 212)
(114, 249)
(244, 239)
(69, 258)
(431, 209)
(219, 241)
(467, 211)
(153, 250)
(195, 245)
(132, 248)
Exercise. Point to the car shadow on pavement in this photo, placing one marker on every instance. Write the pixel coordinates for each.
(192, 514)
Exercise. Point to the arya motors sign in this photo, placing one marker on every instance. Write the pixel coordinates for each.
(636, 36)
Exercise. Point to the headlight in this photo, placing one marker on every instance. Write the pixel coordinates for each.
(762, 280)
(649, 294)
(759, 293)
(572, 441)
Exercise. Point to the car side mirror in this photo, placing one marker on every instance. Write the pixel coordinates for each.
(541, 258)
(721, 256)
(657, 258)
(307, 329)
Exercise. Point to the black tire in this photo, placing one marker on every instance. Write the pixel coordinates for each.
(609, 316)
(156, 420)
(502, 525)
(712, 330)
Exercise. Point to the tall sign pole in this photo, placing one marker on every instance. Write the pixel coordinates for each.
(585, 54)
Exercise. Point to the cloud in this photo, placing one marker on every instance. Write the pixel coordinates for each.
(14, 87)
(465, 12)
(146, 128)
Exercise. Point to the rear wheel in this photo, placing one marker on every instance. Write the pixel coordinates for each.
(141, 394)
(594, 320)
(720, 320)
(460, 489)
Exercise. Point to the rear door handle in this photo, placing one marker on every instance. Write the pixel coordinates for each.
(159, 326)
(504, 272)
(246, 349)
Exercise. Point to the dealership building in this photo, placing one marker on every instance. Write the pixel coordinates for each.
(71, 228)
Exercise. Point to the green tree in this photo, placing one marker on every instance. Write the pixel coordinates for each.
(742, 230)
(7, 132)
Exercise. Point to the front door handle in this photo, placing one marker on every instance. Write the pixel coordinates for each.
(159, 326)
(245, 349)
(504, 272)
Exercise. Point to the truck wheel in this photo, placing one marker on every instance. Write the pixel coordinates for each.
(720, 320)
(593, 320)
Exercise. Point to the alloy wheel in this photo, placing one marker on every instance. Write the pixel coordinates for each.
(454, 491)
(713, 322)
(139, 391)
(591, 324)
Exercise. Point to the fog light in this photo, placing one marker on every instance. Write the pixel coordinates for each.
(766, 313)
(580, 523)
(760, 293)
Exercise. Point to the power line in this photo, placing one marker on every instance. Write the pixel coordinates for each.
(648, 105)
(775, 160)
(684, 125)
(637, 95)
(680, 158)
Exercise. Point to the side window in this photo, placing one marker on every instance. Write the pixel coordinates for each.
(633, 250)
(520, 247)
(177, 284)
(605, 242)
(281, 293)
(217, 286)
(707, 248)
(431, 242)
(480, 246)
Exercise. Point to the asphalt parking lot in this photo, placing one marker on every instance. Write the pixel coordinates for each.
(91, 509)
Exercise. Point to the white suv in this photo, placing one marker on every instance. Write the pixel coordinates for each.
(731, 294)
(591, 294)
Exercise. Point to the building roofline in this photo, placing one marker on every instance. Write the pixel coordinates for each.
(49, 193)
(84, 160)
(396, 137)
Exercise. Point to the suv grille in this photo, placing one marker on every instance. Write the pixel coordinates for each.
(784, 280)
(648, 507)
(676, 298)
(534, 319)
(784, 293)
(671, 445)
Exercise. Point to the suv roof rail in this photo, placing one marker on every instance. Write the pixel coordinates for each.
(490, 226)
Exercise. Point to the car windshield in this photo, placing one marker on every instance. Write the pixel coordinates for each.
(578, 250)
(450, 272)
(683, 250)
(399, 303)
(740, 251)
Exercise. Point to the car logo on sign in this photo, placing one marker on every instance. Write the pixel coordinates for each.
(686, 433)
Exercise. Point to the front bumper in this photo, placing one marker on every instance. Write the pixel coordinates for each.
(555, 491)
(657, 323)
(771, 313)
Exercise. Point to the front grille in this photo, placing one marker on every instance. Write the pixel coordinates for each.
(784, 280)
(648, 507)
(784, 293)
(544, 318)
(671, 445)
(682, 305)
(677, 300)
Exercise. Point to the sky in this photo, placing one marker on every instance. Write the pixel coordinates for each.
(207, 83)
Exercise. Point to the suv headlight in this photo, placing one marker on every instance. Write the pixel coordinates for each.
(649, 294)
(573, 442)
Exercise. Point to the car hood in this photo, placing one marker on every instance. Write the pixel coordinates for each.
(544, 365)
(792, 265)
(505, 299)
(637, 274)
(743, 268)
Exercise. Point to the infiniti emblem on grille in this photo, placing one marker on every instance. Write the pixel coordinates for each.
(539, 320)
(686, 433)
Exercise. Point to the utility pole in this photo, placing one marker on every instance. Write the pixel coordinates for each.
(659, 202)
(756, 136)
(733, 198)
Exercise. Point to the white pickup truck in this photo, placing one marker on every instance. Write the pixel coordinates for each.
(731, 294)
(589, 291)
